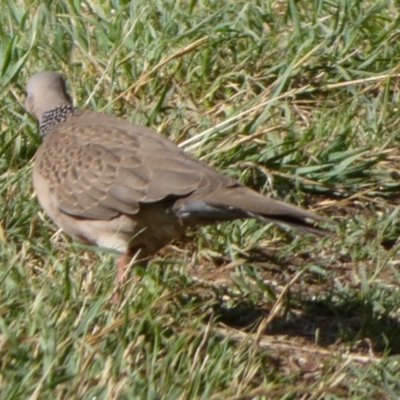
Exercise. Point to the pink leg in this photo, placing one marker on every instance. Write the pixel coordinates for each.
(122, 262)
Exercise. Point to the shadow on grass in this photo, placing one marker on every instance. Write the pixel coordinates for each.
(351, 322)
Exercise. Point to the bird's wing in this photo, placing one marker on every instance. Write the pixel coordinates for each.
(99, 167)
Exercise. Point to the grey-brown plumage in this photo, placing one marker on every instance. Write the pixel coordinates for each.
(126, 187)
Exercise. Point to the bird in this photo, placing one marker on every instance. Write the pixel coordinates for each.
(125, 187)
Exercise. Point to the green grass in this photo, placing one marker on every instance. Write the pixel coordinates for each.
(297, 99)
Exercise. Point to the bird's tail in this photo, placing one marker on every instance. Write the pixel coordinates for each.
(226, 204)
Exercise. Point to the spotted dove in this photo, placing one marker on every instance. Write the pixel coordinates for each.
(125, 187)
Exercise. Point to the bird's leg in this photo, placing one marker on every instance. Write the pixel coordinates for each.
(124, 261)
